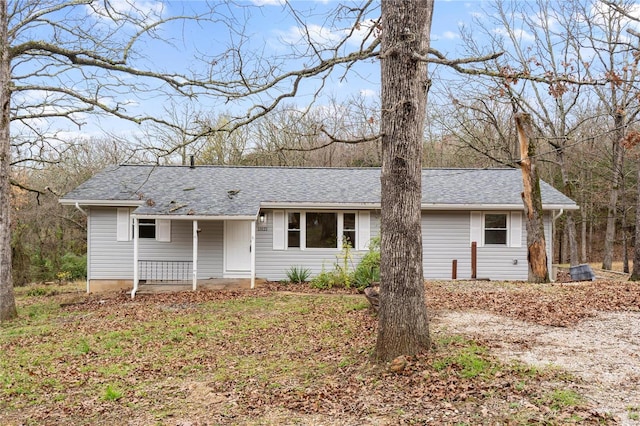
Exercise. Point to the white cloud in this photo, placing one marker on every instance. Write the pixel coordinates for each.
(268, 2)
(450, 35)
(368, 93)
(520, 34)
(318, 35)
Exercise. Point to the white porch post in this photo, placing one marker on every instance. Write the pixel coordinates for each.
(253, 253)
(136, 277)
(195, 255)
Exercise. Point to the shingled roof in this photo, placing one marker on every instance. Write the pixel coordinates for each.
(241, 191)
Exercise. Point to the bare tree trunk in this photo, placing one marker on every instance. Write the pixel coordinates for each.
(570, 224)
(7, 298)
(610, 233)
(635, 272)
(403, 325)
(536, 246)
(583, 235)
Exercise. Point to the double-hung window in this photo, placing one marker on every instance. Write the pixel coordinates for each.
(495, 229)
(293, 229)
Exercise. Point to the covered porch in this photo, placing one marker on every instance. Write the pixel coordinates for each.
(180, 267)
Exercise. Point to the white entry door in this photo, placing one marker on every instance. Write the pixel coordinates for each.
(237, 244)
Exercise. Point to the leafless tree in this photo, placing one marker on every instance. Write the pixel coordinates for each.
(62, 60)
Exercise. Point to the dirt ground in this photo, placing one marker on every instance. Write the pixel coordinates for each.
(590, 329)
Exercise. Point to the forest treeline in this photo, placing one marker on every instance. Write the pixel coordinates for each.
(573, 66)
(49, 240)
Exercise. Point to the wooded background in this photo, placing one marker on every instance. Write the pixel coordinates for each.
(573, 66)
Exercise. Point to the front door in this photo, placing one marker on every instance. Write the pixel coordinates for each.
(237, 242)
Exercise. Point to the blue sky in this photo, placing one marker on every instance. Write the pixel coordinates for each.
(268, 26)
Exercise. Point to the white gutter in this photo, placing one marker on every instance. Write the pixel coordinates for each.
(191, 217)
(102, 203)
(376, 206)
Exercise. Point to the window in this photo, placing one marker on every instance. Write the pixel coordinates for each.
(349, 229)
(495, 228)
(147, 228)
(293, 230)
(321, 230)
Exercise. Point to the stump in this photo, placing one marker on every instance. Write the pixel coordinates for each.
(372, 293)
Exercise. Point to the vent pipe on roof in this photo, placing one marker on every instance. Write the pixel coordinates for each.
(192, 162)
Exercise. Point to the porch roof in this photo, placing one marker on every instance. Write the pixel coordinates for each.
(240, 191)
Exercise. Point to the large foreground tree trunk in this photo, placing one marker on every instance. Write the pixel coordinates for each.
(7, 299)
(536, 245)
(403, 326)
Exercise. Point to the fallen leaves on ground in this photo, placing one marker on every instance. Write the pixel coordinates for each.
(280, 355)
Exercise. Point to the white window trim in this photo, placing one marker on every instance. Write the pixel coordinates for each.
(514, 228)
(362, 234)
(125, 224)
(506, 230)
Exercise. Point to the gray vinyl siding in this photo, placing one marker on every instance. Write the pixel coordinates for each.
(273, 264)
(496, 262)
(111, 259)
(445, 237)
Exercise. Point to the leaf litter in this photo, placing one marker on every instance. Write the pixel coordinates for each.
(287, 355)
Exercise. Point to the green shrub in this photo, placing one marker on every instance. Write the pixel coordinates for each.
(41, 291)
(298, 274)
(73, 266)
(341, 274)
(323, 280)
(368, 270)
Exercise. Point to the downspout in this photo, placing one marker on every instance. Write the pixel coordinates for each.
(84, 212)
(558, 215)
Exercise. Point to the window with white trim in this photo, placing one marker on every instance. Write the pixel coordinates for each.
(147, 228)
(349, 229)
(495, 229)
(321, 229)
(293, 229)
(158, 229)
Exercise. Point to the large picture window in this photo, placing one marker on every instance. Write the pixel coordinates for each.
(321, 230)
(495, 229)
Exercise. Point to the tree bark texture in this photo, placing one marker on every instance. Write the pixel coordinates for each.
(635, 271)
(7, 298)
(403, 325)
(570, 223)
(612, 209)
(536, 245)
